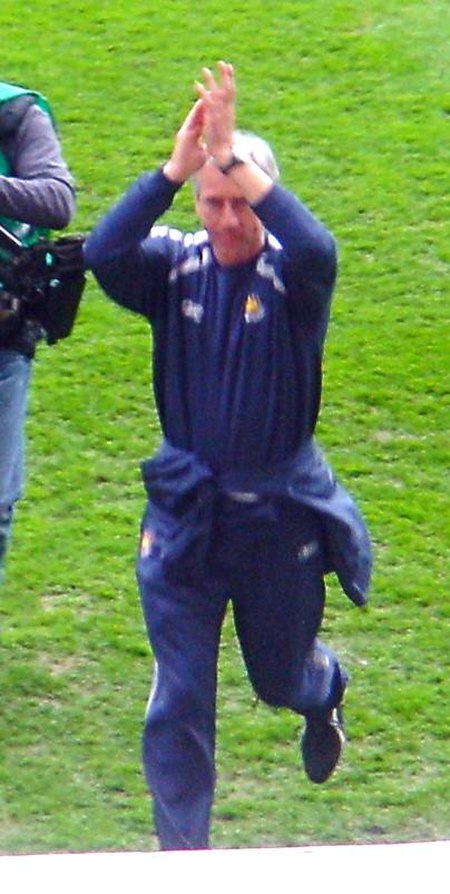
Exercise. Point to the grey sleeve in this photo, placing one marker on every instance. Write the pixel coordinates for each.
(40, 189)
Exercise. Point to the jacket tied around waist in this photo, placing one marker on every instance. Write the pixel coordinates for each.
(180, 484)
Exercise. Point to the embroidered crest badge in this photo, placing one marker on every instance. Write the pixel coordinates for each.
(253, 309)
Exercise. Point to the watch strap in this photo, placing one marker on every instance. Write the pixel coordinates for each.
(233, 162)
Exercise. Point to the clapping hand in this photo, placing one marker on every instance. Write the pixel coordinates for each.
(218, 97)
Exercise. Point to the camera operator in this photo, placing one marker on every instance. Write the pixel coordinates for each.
(36, 194)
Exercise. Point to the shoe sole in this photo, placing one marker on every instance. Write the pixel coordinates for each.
(321, 752)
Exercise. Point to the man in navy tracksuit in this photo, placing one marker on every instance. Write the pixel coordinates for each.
(242, 506)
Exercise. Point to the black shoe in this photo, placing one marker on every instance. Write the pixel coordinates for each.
(322, 743)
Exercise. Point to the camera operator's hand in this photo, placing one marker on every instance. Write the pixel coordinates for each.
(67, 254)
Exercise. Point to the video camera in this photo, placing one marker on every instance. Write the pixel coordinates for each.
(44, 281)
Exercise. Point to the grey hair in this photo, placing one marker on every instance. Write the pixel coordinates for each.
(257, 149)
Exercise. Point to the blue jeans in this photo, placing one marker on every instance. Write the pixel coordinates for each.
(268, 560)
(15, 372)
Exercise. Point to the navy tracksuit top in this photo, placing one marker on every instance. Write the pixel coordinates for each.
(237, 350)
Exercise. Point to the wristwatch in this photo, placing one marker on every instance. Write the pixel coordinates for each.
(236, 158)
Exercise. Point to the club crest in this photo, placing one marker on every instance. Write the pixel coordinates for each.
(253, 309)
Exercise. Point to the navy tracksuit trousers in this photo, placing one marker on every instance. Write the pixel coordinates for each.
(266, 557)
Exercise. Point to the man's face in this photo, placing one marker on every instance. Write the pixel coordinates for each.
(236, 234)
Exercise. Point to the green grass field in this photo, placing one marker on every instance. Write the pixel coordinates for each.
(353, 95)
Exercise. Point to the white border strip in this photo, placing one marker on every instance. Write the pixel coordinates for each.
(353, 869)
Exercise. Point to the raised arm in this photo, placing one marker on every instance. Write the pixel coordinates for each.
(129, 266)
(219, 103)
(309, 248)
